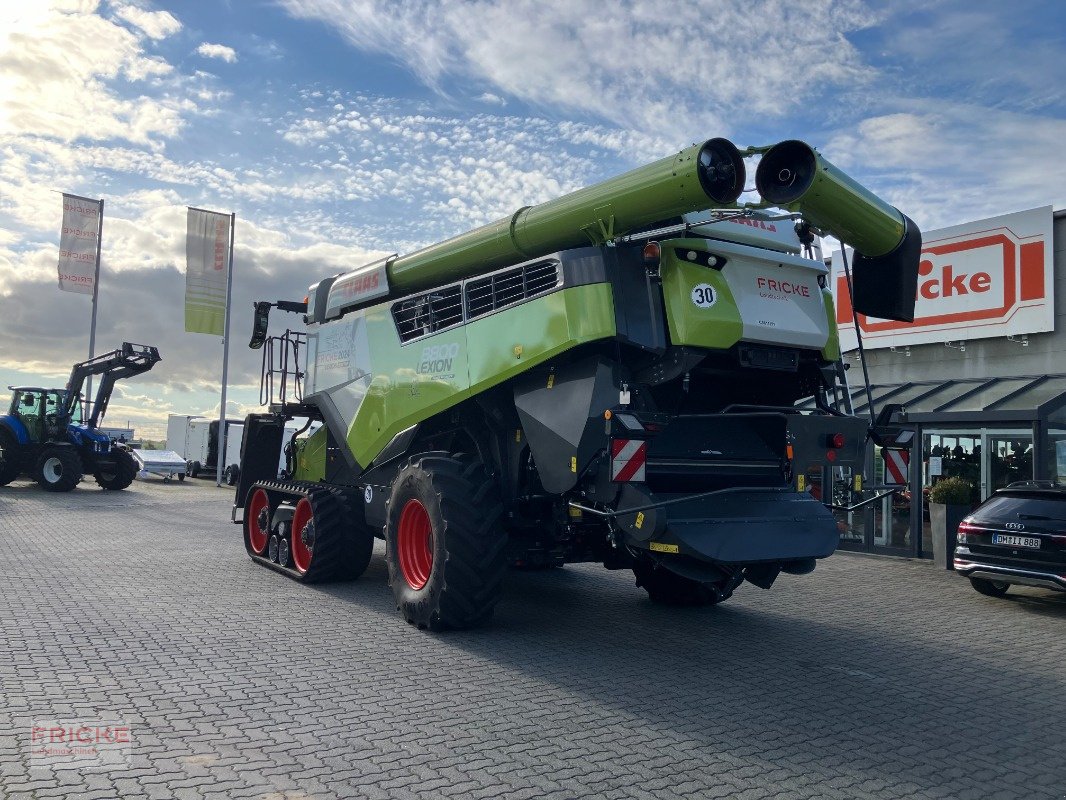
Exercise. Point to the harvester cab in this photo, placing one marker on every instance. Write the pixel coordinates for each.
(46, 432)
(613, 376)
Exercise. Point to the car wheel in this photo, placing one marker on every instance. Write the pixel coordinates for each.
(989, 588)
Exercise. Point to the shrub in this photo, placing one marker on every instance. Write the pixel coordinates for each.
(952, 492)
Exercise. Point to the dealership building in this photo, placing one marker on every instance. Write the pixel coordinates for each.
(981, 372)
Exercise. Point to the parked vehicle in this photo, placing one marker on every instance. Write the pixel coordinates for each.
(195, 438)
(598, 378)
(1016, 537)
(53, 436)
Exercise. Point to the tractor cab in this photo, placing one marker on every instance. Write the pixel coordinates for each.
(40, 411)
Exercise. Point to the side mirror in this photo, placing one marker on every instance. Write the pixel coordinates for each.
(259, 324)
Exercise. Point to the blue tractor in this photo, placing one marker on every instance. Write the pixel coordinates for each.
(46, 434)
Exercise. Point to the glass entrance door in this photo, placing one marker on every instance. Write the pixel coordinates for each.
(988, 459)
(1009, 458)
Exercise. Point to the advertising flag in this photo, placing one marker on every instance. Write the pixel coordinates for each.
(79, 243)
(207, 247)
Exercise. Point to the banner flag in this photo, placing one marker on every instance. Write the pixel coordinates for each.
(207, 248)
(79, 243)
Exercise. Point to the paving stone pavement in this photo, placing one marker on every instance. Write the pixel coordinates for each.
(871, 678)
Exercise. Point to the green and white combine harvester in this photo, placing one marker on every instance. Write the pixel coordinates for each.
(607, 377)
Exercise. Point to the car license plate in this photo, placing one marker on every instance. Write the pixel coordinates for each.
(1015, 541)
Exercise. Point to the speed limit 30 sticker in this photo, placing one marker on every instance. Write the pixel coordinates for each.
(704, 295)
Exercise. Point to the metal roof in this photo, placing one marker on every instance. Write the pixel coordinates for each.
(1018, 398)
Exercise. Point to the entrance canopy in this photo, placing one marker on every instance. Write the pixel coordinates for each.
(968, 400)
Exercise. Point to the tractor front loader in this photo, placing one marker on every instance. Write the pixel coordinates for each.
(610, 377)
(47, 435)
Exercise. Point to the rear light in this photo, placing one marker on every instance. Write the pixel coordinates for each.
(652, 254)
(966, 530)
(835, 440)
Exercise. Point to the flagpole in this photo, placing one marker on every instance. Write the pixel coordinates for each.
(222, 432)
(96, 295)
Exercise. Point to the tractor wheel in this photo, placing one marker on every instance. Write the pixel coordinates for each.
(120, 475)
(669, 588)
(444, 543)
(58, 469)
(10, 457)
(326, 542)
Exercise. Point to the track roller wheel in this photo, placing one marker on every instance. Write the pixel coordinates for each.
(445, 548)
(257, 522)
(272, 548)
(283, 552)
(327, 543)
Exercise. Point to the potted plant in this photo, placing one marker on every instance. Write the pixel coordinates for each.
(950, 500)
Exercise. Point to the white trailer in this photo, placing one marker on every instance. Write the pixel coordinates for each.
(195, 438)
(164, 463)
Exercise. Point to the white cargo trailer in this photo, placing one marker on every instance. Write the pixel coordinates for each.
(195, 438)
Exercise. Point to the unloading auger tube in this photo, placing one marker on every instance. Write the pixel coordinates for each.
(793, 175)
(711, 175)
(707, 175)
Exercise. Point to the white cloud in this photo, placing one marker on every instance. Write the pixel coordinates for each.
(944, 163)
(220, 51)
(154, 24)
(57, 70)
(674, 66)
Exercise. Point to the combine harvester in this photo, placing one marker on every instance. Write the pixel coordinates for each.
(606, 377)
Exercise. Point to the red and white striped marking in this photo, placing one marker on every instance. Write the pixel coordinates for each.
(897, 466)
(628, 459)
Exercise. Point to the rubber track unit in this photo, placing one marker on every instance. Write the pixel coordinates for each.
(342, 548)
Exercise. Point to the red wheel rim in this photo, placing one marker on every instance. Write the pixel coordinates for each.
(414, 544)
(258, 530)
(302, 550)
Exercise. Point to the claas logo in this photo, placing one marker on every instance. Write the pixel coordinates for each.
(980, 278)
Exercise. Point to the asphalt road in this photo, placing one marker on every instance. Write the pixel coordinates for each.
(870, 678)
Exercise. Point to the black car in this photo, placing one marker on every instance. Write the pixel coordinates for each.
(1017, 536)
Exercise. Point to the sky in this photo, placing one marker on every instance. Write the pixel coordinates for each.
(341, 131)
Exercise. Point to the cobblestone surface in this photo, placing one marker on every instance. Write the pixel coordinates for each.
(871, 678)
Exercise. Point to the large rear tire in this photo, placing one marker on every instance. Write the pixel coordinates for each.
(119, 476)
(10, 457)
(58, 469)
(444, 544)
(669, 588)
